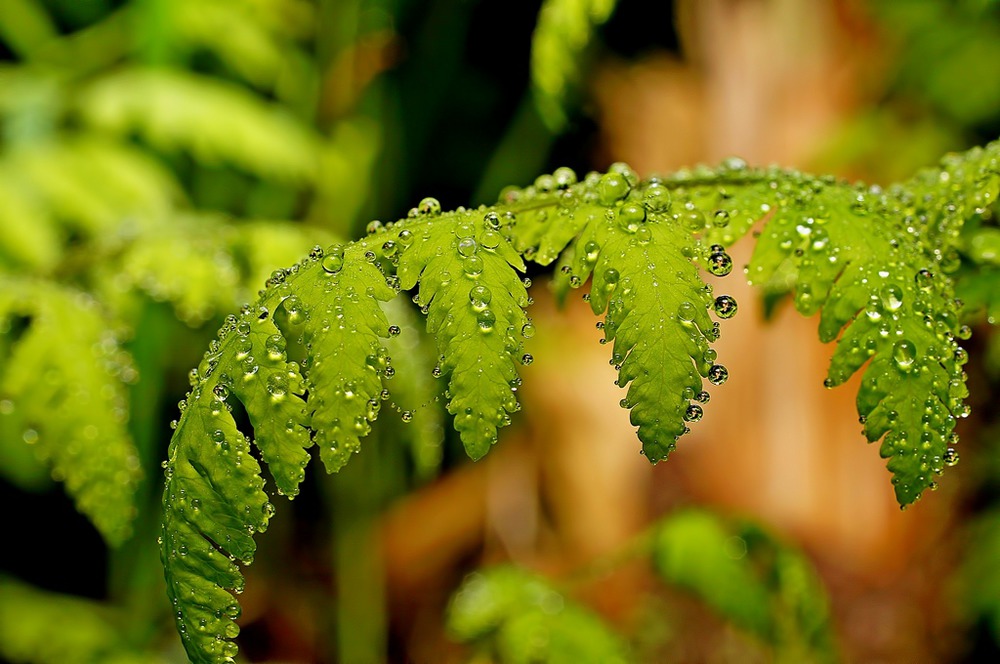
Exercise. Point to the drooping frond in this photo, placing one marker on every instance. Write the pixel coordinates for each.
(749, 578)
(876, 264)
(215, 121)
(474, 301)
(68, 390)
(214, 499)
(564, 30)
(640, 255)
(516, 617)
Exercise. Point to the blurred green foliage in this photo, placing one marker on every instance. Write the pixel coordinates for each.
(159, 158)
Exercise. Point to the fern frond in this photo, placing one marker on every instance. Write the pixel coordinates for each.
(474, 299)
(214, 499)
(749, 578)
(516, 617)
(201, 264)
(215, 121)
(68, 389)
(564, 30)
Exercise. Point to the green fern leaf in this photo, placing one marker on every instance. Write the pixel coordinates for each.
(29, 238)
(347, 322)
(200, 263)
(68, 389)
(565, 29)
(516, 617)
(216, 121)
(474, 299)
(641, 258)
(871, 261)
(89, 185)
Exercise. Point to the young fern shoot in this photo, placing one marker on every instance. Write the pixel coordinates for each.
(875, 264)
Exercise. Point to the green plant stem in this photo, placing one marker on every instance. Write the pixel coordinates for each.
(134, 571)
(640, 546)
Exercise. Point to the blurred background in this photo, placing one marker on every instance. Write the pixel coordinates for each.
(164, 156)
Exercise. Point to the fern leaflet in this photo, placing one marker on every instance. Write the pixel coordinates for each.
(640, 257)
(474, 300)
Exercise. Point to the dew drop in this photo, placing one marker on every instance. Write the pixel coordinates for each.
(630, 216)
(480, 297)
(904, 353)
(429, 206)
(725, 306)
(718, 374)
(467, 247)
(693, 413)
(892, 297)
(656, 198)
(719, 263)
(333, 262)
(686, 312)
(612, 188)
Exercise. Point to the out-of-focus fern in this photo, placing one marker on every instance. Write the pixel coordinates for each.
(516, 617)
(565, 29)
(216, 121)
(876, 263)
(77, 186)
(67, 388)
(259, 44)
(749, 578)
(202, 264)
(88, 632)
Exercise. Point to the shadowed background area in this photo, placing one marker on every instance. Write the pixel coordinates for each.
(165, 156)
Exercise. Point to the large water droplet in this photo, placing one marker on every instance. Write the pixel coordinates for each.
(718, 374)
(333, 262)
(630, 216)
(612, 188)
(429, 206)
(693, 413)
(892, 297)
(725, 306)
(480, 297)
(904, 353)
(719, 263)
